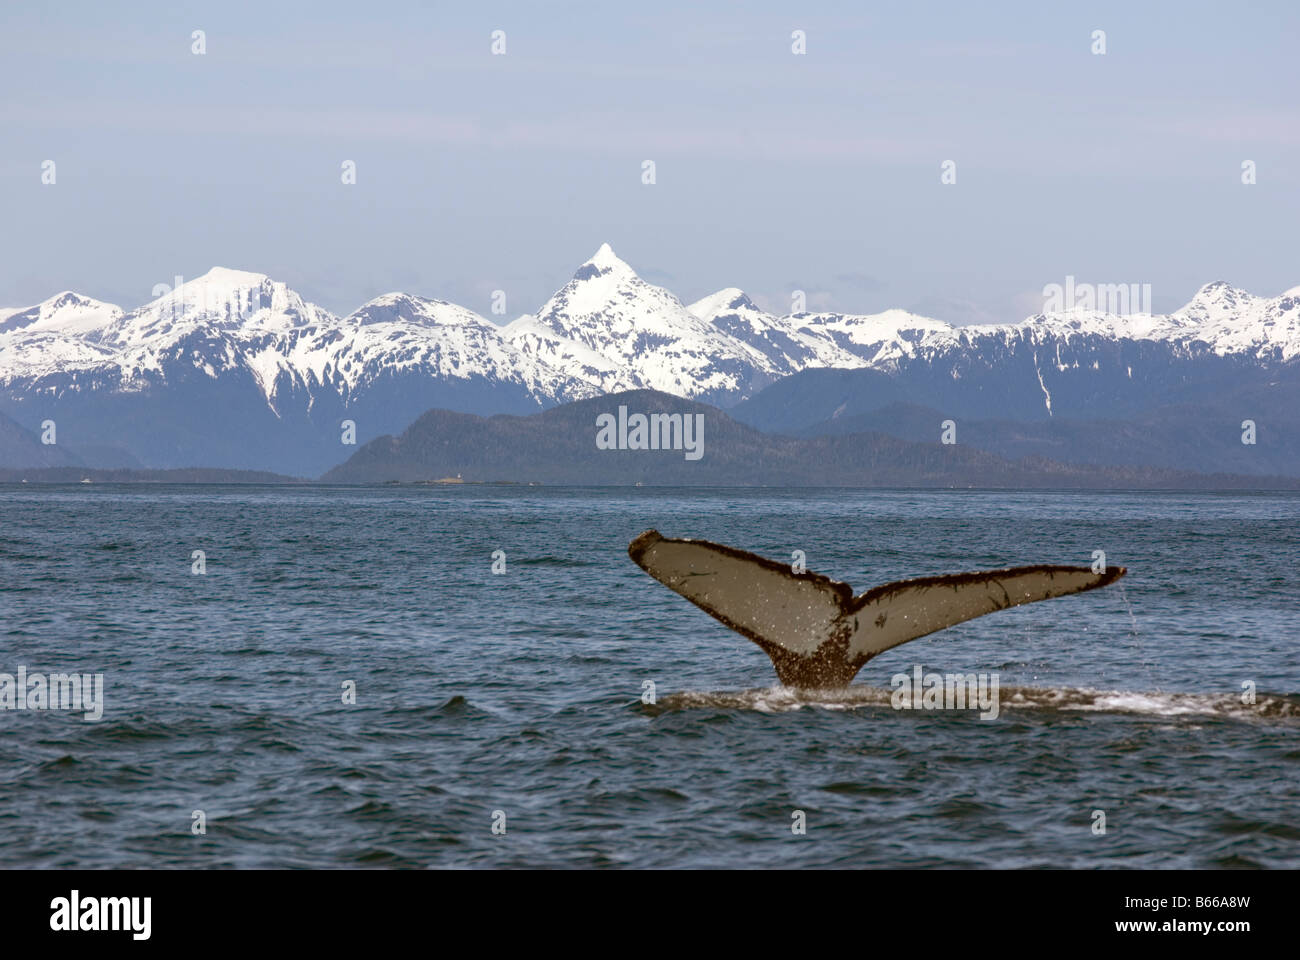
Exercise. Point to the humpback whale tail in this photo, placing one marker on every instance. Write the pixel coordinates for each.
(816, 631)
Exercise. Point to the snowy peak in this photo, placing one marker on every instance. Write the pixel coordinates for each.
(1217, 300)
(606, 329)
(606, 298)
(652, 340)
(404, 308)
(603, 263)
(402, 336)
(878, 339)
(221, 297)
(728, 300)
(220, 301)
(1230, 320)
(66, 312)
(606, 302)
(783, 342)
(228, 279)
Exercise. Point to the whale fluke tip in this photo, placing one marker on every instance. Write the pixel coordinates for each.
(637, 547)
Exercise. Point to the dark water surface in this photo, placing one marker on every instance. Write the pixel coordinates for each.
(521, 692)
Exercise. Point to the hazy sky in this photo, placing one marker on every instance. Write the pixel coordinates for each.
(774, 171)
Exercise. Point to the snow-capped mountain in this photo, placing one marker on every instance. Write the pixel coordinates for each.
(628, 334)
(1083, 386)
(234, 320)
(236, 369)
(397, 333)
(1232, 321)
(1219, 319)
(788, 346)
(220, 301)
(65, 312)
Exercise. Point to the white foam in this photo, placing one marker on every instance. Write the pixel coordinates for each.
(779, 699)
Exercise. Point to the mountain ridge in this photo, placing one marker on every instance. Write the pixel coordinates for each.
(562, 445)
(739, 349)
(237, 369)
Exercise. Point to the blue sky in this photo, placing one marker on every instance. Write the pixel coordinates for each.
(774, 171)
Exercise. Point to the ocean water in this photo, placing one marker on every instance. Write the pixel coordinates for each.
(516, 699)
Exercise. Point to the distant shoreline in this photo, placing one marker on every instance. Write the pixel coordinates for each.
(1286, 485)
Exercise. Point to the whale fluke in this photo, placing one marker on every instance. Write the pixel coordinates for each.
(816, 631)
